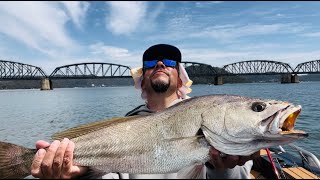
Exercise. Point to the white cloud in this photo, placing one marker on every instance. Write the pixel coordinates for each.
(314, 34)
(77, 11)
(117, 55)
(264, 46)
(258, 12)
(294, 58)
(113, 52)
(42, 27)
(235, 31)
(2, 50)
(39, 25)
(213, 57)
(125, 16)
(181, 29)
(149, 22)
(256, 46)
(98, 52)
(207, 4)
(181, 22)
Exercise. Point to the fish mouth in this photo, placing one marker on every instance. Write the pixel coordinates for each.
(290, 121)
(283, 122)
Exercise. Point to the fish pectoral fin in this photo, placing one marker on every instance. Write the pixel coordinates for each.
(195, 171)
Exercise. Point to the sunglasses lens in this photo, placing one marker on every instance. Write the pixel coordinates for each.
(169, 63)
(153, 63)
(149, 64)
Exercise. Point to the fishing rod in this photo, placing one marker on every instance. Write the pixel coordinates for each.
(272, 163)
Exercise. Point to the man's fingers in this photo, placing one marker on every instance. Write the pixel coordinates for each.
(228, 161)
(36, 163)
(42, 144)
(215, 159)
(70, 170)
(58, 159)
(67, 164)
(46, 165)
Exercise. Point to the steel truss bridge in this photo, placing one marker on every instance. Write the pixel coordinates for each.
(15, 70)
(257, 67)
(252, 67)
(310, 67)
(10, 70)
(90, 70)
(199, 69)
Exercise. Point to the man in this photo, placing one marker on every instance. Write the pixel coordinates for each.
(163, 82)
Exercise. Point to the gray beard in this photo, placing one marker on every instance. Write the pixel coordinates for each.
(160, 87)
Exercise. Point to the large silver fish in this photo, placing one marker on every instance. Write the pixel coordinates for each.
(173, 139)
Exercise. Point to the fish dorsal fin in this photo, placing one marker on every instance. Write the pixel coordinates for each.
(90, 127)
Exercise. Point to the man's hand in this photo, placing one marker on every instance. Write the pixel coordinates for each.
(228, 161)
(56, 162)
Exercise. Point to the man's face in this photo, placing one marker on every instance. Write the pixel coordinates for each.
(161, 78)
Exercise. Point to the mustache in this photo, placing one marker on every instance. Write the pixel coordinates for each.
(154, 72)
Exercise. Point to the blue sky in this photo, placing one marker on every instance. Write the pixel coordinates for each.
(52, 34)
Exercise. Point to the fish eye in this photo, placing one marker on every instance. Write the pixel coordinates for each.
(258, 106)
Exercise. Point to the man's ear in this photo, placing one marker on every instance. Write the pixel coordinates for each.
(142, 83)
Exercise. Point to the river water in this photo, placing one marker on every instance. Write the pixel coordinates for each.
(29, 115)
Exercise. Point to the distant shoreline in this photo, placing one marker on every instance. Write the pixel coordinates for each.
(116, 82)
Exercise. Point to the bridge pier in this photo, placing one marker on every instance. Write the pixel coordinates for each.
(294, 78)
(218, 80)
(286, 78)
(46, 84)
(289, 78)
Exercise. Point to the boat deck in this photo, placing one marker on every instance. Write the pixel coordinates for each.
(262, 168)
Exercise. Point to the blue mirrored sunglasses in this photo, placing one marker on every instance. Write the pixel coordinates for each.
(153, 63)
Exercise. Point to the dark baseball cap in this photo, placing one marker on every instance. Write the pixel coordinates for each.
(162, 51)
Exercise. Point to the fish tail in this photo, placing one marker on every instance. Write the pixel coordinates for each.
(15, 161)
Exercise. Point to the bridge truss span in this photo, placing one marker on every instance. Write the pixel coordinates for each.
(14, 70)
(199, 69)
(310, 67)
(90, 70)
(258, 67)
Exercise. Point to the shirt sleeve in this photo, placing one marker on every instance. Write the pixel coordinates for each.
(238, 172)
(97, 174)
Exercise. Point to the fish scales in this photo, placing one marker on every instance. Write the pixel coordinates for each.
(169, 140)
(149, 147)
